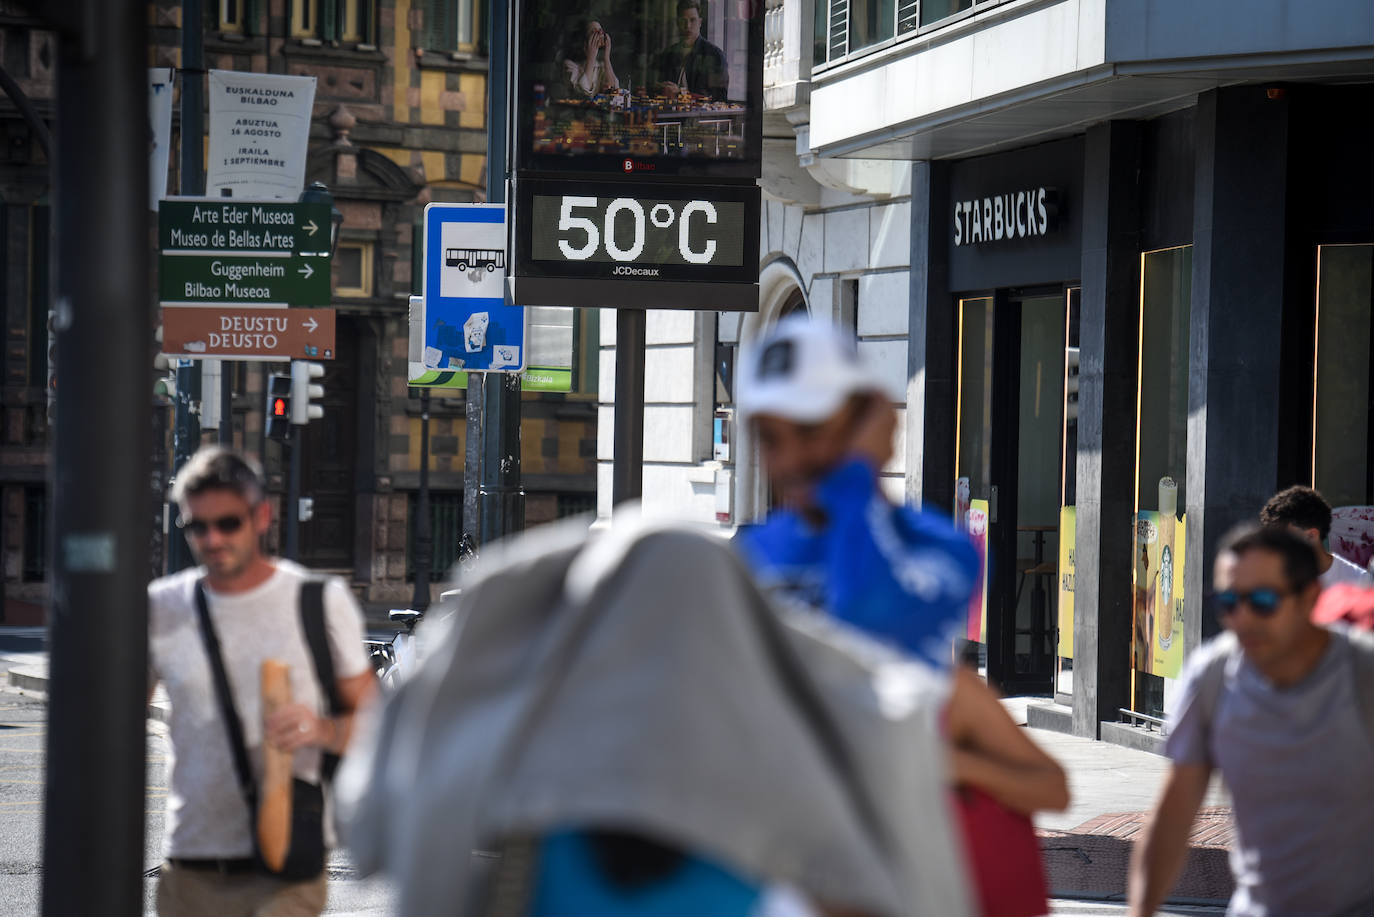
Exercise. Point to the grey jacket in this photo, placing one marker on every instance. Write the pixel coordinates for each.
(640, 681)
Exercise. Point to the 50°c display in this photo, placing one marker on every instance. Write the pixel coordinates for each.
(637, 231)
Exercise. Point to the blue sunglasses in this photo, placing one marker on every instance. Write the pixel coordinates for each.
(1263, 602)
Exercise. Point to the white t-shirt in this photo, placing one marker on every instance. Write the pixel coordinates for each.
(1343, 571)
(206, 813)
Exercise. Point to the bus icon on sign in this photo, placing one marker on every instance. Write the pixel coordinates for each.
(464, 258)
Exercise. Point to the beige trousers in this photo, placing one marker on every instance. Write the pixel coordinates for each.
(195, 892)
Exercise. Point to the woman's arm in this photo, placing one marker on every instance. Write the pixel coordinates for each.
(609, 83)
(993, 754)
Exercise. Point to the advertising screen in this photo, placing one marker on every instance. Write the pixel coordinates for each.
(669, 87)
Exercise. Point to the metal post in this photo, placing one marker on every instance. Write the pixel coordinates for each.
(501, 495)
(293, 494)
(226, 403)
(94, 798)
(472, 456)
(424, 535)
(627, 472)
(186, 432)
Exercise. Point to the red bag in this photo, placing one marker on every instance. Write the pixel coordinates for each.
(1003, 856)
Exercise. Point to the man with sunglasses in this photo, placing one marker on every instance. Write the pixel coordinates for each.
(253, 602)
(1284, 709)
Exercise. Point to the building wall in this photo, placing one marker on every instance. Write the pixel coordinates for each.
(395, 126)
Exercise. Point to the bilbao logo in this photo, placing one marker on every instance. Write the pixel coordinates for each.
(629, 165)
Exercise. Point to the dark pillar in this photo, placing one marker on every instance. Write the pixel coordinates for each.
(1109, 329)
(186, 431)
(1237, 323)
(931, 363)
(627, 474)
(424, 533)
(501, 499)
(94, 799)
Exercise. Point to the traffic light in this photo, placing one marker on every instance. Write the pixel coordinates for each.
(304, 392)
(279, 406)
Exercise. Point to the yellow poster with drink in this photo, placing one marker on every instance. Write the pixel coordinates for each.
(1068, 531)
(976, 524)
(1167, 651)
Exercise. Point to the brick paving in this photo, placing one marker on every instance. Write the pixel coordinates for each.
(1091, 860)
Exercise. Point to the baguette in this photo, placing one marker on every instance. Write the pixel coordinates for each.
(274, 805)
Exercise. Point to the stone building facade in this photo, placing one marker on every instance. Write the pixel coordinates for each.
(399, 121)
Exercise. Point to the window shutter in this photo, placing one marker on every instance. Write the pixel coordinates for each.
(907, 20)
(839, 29)
(329, 19)
(437, 33)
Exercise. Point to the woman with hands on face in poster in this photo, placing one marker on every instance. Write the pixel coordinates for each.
(588, 65)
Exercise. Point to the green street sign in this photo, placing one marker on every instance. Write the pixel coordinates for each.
(227, 227)
(533, 379)
(266, 279)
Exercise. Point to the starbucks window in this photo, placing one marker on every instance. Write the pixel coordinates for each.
(1166, 278)
(1341, 402)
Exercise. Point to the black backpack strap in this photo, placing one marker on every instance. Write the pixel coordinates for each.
(228, 712)
(312, 623)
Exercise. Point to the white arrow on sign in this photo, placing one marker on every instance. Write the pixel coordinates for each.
(310, 227)
(310, 324)
(308, 271)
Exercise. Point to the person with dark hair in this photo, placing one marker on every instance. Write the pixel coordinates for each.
(239, 608)
(1305, 511)
(692, 64)
(587, 67)
(1284, 709)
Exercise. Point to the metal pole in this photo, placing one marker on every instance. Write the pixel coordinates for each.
(502, 496)
(472, 456)
(226, 403)
(293, 494)
(94, 797)
(627, 472)
(424, 536)
(186, 432)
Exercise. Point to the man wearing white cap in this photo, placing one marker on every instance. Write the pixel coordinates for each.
(839, 546)
(825, 429)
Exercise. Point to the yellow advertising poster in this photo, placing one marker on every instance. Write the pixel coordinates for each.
(1168, 600)
(1067, 539)
(976, 524)
(1144, 579)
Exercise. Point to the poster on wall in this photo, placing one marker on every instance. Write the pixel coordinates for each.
(159, 132)
(1144, 577)
(1168, 599)
(1352, 533)
(259, 130)
(1068, 533)
(1158, 593)
(976, 524)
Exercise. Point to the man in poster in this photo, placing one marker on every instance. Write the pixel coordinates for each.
(692, 64)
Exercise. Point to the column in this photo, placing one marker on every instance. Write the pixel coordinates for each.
(1239, 228)
(1109, 329)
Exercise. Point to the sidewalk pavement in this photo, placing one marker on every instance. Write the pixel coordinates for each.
(1086, 848)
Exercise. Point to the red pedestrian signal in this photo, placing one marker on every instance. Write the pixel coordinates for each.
(278, 406)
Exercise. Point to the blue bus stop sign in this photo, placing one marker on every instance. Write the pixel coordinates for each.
(467, 324)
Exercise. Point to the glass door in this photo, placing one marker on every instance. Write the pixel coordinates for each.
(1009, 438)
